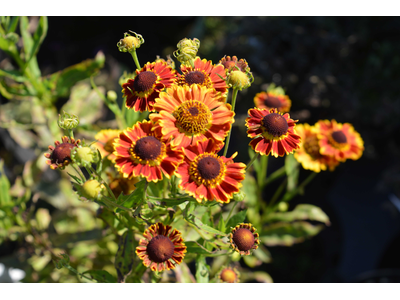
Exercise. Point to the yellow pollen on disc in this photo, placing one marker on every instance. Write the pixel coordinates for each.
(193, 116)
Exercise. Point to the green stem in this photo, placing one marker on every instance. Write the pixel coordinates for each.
(275, 175)
(289, 195)
(234, 95)
(263, 172)
(252, 160)
(134, 56)
(277, 193)
(230, 213)
(78, 170)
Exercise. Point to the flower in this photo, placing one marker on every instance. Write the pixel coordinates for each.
(339, 140)
(104, 142)
(309, 152)
(188, 115)
(270, 100)
(162, 248)
(233, 63)
(119, 184)
(229, 275)
(244, 238)
(204, 73)
(60, 155)
(273, 132)
(205, 175)
(140, 151)
(142, 91)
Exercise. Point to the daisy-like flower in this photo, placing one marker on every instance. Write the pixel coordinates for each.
(140, 151)
(142, 91)
(244, 238)
(60, 155)
(229, 275)
(309, 152)
(207, 176)
(272, 132)
(204, 74)
(270, 100)
(104, 142)
(188, 115)
(231, 64)
(162, 248)
(339, 140)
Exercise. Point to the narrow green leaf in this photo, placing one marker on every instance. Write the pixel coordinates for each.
(195, 221)
(136, 196)
(101, 276)
(125, 255)
(235, 220)
(13, 24)
(193, 247)
(38, 37)
(4, 186)
(292, 171)
(221, 224)
(13, 74)
(300, 212)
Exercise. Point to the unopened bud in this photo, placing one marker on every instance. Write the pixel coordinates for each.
(187, 50)
(67, 121)
(240, 80)
(85, 155)
(239, 196)
(91, 190)
(112, 96)
(130, 43)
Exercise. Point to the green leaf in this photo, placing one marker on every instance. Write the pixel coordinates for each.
(29, 47)
(221, 224)
(61, 82)
(165, 202)
(250, 189)
(136, 196)
(38, 37)
(300, 212)
(288, 234)
(125, 255)
(101, 276)
(13, 24)
(196, 222)
(13, 74)
(193, 247)
(292, 172)
(263, 254)
(5, 198)
(202, 270)
(235, 220)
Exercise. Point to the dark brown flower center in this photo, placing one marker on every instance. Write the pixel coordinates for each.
(311, 146)
(160, 248)
(275, 124)
(244, 239)
(62, 153)
(144, 81)
(148, 148)
(272, 102)
(194, 111)
(195, 77)
(339, 137)
(208, 167)
(109, 147)
(228, 275)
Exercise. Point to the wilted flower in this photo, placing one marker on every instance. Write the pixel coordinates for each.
(231, 64)
(60, 155)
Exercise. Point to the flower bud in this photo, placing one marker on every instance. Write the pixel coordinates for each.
(84, 155)
(187, 50)
(240, 80)
(112, 96)
(283, 206)
(239, 196)
(130, 43)
(67, 121)
(91, 190)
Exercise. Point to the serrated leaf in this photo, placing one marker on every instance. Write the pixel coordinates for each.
(125, 255)
(193, 247)
(292, 172)
(195, 221)
(101, 276)
(288, 234)
(300, 212)
(235, 220)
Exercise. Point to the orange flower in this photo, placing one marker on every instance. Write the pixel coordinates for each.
(142, 91)
(188, 115)
(204, 74)
(229, 275)
(205, 175)
(140, 151)
(60, 155)
(104, 142)
(162, 248)
(270, 100)
(309, 153)
(244, 238)
(273, 132)
(338, 140)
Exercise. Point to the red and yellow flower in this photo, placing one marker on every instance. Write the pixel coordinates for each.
(309, 152)
(142, 91)
(229, 275)
(339, 140)
(204, 73)
(104, 142)
(140, 151)
(207, 176)
(268, 100)
(232, 64)
(162, 248)
(188, 115)
(272, 132)
(60, 156)
(244, 238)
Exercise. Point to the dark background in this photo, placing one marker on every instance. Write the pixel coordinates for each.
(343, 68)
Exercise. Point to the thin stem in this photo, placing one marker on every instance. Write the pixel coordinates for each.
(78, 170)
(275, 175)
(70, 133)
(263, 172)
(234, 95)
(289, 195)
(230, 213)
(135, 59)
(252, 160)
(277, 193)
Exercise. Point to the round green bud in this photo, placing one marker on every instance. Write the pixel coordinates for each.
(67, 121)
(239, 196)
(238, 79)
(283, 206)
(84, 155)
(112, 96)
(91, 190)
